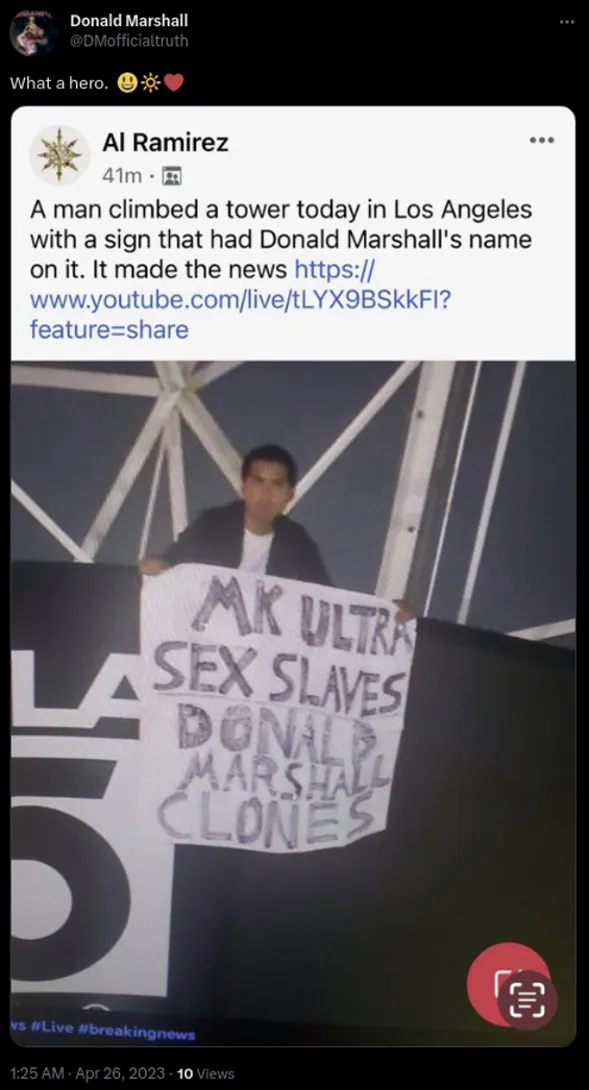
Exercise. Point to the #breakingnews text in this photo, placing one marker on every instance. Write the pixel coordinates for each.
(172, 232)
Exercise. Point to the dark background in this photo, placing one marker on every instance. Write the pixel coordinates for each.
(423, 63)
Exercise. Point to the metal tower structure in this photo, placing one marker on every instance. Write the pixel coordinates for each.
(425, 486)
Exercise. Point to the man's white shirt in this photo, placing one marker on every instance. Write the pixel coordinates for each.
(255, 552)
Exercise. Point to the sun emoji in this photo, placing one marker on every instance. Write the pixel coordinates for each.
(150, 83)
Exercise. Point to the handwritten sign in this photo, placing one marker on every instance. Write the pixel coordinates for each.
(271, 713)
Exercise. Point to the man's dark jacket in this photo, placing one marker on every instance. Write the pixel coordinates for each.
(216, 538)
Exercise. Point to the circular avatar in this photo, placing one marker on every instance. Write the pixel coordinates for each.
(59, 155)
(33, 33)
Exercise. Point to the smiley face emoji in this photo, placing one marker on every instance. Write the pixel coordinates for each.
(127, 83)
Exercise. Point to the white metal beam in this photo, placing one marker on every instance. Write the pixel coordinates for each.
(210, 370)
(155, 482)
(212, 438)
(49, 524)
(129, 472)
(170, 374)
(414, 477)
(354, 429)
(452, 489)
(176, 478)
(104, 382)
(92, 382)
(492, 485)
(547, 631)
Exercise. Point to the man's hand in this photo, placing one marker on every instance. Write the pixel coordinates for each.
(404, 613)
(152, 565)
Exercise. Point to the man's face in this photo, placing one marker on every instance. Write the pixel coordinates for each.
(266, 491)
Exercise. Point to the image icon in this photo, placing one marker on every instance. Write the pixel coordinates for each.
(33, 33)
(172, 176)
(59, 155)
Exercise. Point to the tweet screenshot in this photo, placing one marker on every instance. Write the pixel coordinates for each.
(293, 572)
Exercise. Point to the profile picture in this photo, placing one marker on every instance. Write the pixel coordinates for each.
(33, 33)
(59, 155)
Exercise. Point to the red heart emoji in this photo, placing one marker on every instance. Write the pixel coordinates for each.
(173, 83)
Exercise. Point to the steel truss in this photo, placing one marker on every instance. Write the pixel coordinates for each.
(174, 390)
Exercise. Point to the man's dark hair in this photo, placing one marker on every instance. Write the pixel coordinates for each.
(271, 453)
